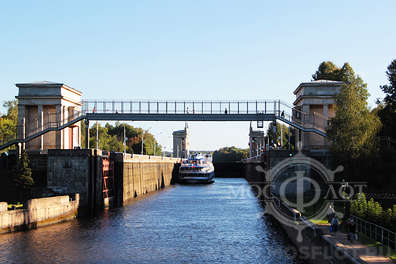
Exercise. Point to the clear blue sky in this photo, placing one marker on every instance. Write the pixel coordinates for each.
(192, 49)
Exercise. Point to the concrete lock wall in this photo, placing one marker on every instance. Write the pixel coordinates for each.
(39, 212)
(81, 171)
(77, 171)
(136, 175)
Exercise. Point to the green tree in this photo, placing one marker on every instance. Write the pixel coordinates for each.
(359, 205)
(230, 154)
(12, 110)
(354, 127)
(8, 122)
(394, 215)
(390, 89)
(23, 175)
(327, 70)
(281, 132)
(387, 109)
(111, 138)
(387, 217)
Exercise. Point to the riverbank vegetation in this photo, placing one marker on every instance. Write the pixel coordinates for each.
(229, 154)
(372, 210)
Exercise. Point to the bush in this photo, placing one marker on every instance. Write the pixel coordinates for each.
(23, 176)
(373, 211)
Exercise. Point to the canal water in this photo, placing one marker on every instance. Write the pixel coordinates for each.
(182, 224)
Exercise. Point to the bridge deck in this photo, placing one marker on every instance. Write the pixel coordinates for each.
(258, 110)
(178, 117)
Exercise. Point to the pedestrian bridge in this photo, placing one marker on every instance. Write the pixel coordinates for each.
(171, 110)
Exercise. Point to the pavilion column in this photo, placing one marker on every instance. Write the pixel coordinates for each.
(59, 133)
(326, 110)
(79, 134)
(66, 131)
(21, 130)
(326, 114)
(307, 121)
(40, 115)
(86, 133)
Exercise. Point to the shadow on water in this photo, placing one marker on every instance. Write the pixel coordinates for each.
(196, 183)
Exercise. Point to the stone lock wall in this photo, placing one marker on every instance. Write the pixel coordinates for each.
(66, 172)
(136, 175)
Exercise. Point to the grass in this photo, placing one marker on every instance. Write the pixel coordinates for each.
(319, 221)
(15, 206)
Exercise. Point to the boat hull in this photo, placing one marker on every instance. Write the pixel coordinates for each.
(196, 177)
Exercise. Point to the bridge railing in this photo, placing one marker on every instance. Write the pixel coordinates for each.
(50, 120)
(376, 232)
(274, 107)
(183, 107)
(306, 120)
(310, 120)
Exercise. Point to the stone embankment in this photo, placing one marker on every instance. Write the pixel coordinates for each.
(39, 212)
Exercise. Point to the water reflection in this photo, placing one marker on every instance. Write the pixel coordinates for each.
(182, 224)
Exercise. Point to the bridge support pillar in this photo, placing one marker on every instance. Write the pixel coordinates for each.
(86, 133)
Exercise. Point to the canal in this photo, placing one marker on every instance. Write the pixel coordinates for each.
(182, 224)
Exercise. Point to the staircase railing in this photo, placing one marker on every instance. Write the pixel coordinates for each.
(311, 122)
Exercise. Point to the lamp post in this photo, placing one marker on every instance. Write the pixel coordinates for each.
(347, 208)
(97, 135)
(144, 132)
(155, 145)
(125, 140)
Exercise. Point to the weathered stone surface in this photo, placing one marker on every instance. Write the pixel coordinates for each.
(3, 206)
(39, 212)
(137, 174)
(68, 172)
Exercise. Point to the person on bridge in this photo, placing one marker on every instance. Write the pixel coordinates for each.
(283, 114)
(225, 111)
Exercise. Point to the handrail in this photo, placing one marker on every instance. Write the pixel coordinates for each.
(381, 234)
(274, 109)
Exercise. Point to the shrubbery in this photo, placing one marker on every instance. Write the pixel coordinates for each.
(373, 211)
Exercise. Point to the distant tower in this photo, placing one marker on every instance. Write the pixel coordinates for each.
(181, 142)
(256, 141)
(314, 105)
(47, 103)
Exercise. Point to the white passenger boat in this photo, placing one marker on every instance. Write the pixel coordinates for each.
(197, 169)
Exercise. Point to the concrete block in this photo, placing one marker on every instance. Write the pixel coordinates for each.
(48, 202)
(3, 206)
